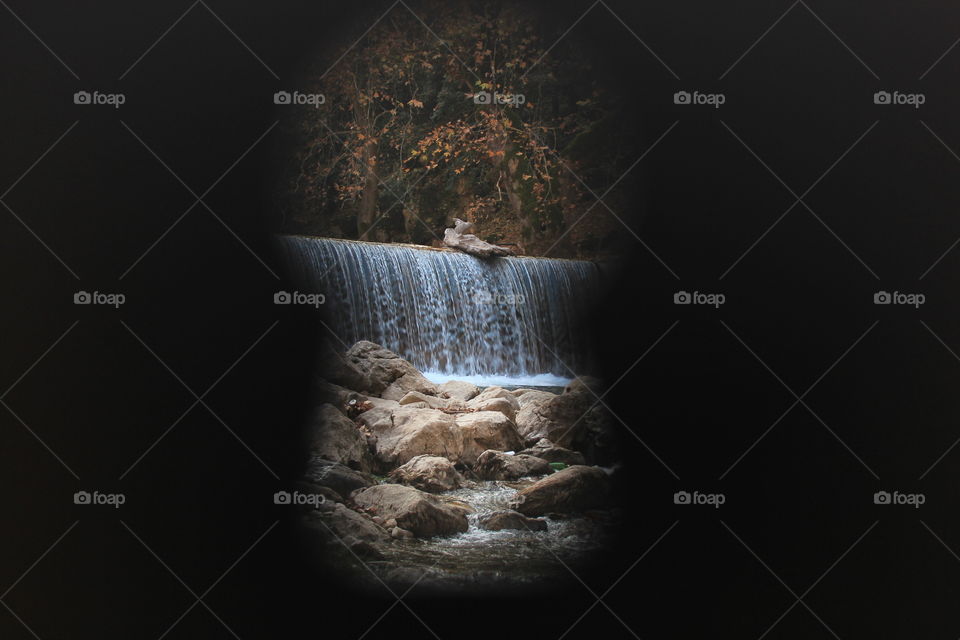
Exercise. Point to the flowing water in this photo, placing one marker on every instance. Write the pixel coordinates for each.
(452, 315)
(490, 560)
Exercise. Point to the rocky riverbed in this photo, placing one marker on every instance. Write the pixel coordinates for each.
(453, 486)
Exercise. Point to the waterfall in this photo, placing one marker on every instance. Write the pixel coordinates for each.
(450, 314)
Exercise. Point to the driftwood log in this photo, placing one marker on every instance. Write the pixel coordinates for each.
(459, 237)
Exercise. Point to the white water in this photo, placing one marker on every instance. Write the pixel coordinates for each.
(513, 321)
(540, 380)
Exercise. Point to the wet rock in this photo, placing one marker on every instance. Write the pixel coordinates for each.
(496, 465)
(486, 430)
(574, 489)
(411, 432)
(335, 437)
(421, 513)
(428, 473)
(499, 520)
(550, 452)
(458, 390)
(338, 477)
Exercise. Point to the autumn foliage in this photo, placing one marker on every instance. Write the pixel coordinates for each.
(454, 110)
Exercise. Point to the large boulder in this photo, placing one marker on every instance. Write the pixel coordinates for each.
(558, 418)
(550, 452)
(499, 520)
(484, 430)
(409, 432)
(422, 514)
(335, 437)
(383, 372)
(428, 473)
(458, 390)
(338, 477)
(497, 465)
(574, 489)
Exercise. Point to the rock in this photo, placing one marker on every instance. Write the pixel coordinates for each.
(588, 384)
(335, 437)
(330, 496)
(550, 452)
(428, 473)
(412, 432)
(534, 397)
(337, 369)
(458, 390)
(328, 392)
(363, 549)
(384, 373)
(401, 534)
(555, 417)
(421, 513)
(338, 477)
(573, 489)
(499, 520)
(429, 401)
(390, 523)
(505, 403)
(519, 392)
(459, 237)
(486, 430)
(346, 523)
(496, 465)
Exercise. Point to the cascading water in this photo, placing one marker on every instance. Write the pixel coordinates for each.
(450, 314)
